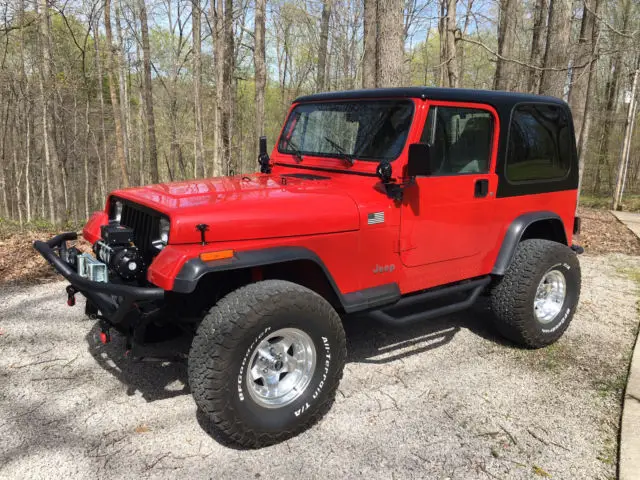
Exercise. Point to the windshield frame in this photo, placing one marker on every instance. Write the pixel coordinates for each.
(337, 156)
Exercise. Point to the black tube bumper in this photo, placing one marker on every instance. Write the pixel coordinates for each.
(113, 300)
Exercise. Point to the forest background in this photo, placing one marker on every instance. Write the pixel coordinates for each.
(102, 94)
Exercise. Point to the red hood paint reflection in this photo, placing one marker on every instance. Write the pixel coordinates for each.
(249, 207)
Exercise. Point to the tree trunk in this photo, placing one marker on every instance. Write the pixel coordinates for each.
(584, 64)
(48, 153)
(217, 12)
(541, 15)
(259, 64)
(27, 120)
(583, 81)
(198, 160)
(383, 43)
(623, 164)
(86, 157)
(27, 171)
(450, 75)
(227, 89)
(148, 94)
(123, 87)
(460, 45)
(605, 145)
(112, 68)
(324, 44)
(103, 130)
(369, 70)
(556, 55)
(52, 165)
(506, 71)
(141, 132)
(390, 43)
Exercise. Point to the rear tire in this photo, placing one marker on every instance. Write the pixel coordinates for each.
(266, 362)
(534, 302)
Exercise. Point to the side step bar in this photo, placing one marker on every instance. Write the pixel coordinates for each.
(474, 287)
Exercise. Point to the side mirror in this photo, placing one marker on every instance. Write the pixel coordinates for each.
(263, 156)
(419, 163)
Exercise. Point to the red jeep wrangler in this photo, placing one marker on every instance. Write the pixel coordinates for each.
(371, 202)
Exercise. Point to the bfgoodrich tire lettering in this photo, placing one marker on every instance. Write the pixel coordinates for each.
(223, 347)
(512, 299)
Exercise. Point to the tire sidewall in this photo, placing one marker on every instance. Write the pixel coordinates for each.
(568, 266)
(328, 368)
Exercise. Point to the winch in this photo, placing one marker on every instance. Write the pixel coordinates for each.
(118, 251)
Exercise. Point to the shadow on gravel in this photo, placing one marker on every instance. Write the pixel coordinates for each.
(367, 342)
(159, 371)
(372, 342)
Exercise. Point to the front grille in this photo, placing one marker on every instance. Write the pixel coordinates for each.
(145, 224)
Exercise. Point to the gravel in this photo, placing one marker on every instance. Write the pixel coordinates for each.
(445, 399)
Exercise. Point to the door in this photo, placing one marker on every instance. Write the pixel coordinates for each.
(445, 215)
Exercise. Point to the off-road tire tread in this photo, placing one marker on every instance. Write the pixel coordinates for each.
(217, 340)
(509, 298)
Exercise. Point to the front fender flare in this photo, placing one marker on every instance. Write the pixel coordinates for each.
(193, 270)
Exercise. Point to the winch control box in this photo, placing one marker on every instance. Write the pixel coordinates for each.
(116, 234)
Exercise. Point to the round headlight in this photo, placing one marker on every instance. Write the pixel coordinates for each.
(164, 230)
(116, 211)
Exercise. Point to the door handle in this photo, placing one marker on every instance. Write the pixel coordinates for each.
(482, 188)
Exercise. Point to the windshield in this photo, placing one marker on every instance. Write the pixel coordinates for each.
(366, 130)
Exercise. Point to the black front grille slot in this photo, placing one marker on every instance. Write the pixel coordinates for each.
(145, 224)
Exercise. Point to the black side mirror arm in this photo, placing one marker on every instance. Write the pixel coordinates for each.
(393, 189)
(263, 156)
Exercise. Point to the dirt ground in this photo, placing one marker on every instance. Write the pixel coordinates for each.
(445, 399)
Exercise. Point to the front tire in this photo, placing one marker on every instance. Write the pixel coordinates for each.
(534, 302)
(266, 362)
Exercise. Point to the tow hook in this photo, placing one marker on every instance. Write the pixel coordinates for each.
(105, 335)
(71, 295)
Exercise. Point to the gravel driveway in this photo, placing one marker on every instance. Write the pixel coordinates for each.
(445, 399)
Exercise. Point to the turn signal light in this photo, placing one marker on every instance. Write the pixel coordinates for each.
(220, 255)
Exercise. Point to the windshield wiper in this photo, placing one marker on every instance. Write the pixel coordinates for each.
(347, 157)
(295, 150)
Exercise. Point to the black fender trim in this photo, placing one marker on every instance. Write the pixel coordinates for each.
(513, 236)
(193, 270)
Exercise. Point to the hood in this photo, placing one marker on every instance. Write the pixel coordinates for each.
(249, 207)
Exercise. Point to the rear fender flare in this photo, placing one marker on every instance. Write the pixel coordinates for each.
(514, 234)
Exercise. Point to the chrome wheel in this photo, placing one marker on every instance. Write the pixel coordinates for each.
(281, 367)
(550, 296)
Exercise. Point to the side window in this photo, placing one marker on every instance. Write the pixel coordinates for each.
(460, 140)
(539, 143)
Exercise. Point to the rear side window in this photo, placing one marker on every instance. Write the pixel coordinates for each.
(539, 143)
(460, 140)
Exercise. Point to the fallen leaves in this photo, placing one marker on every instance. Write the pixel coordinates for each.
(142, 428)
(540, 472)
(20, 263)
(603, 233)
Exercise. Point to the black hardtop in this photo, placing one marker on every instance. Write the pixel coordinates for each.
(495, 98)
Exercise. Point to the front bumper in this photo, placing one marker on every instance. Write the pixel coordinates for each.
(113, 300)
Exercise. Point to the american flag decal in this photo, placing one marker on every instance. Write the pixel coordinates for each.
(376, 217)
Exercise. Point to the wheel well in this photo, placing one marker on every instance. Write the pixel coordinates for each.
(547, 229)
(215, 285)
(306, 273)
